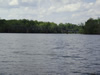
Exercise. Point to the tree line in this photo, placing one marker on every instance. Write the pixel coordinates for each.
(91, 26)
(34, 26)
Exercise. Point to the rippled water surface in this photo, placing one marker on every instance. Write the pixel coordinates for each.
(49, 54)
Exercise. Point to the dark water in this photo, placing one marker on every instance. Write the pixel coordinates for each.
(49, 54)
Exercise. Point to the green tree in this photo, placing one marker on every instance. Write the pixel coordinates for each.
(92, 26)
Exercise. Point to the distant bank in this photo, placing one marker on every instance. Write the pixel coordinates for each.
(91, 26)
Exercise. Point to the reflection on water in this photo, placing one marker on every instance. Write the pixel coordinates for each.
(49, 54)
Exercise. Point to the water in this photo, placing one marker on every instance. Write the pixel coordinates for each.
(49, 54)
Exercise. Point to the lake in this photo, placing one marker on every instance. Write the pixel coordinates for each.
(49, 54)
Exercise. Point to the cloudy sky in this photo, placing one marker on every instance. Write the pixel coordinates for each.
(65, 11)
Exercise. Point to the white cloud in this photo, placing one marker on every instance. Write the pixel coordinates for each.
(50, 10)
(29, 1)
(69, 7)
(14, 2)
(97, 2)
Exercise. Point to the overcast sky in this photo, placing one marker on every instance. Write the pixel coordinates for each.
(65, 11)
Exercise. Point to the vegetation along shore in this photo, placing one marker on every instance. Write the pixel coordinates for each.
(91, 26)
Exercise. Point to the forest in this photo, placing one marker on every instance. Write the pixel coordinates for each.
(91, 26)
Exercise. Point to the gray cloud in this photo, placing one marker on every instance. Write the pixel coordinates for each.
(50, 10)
